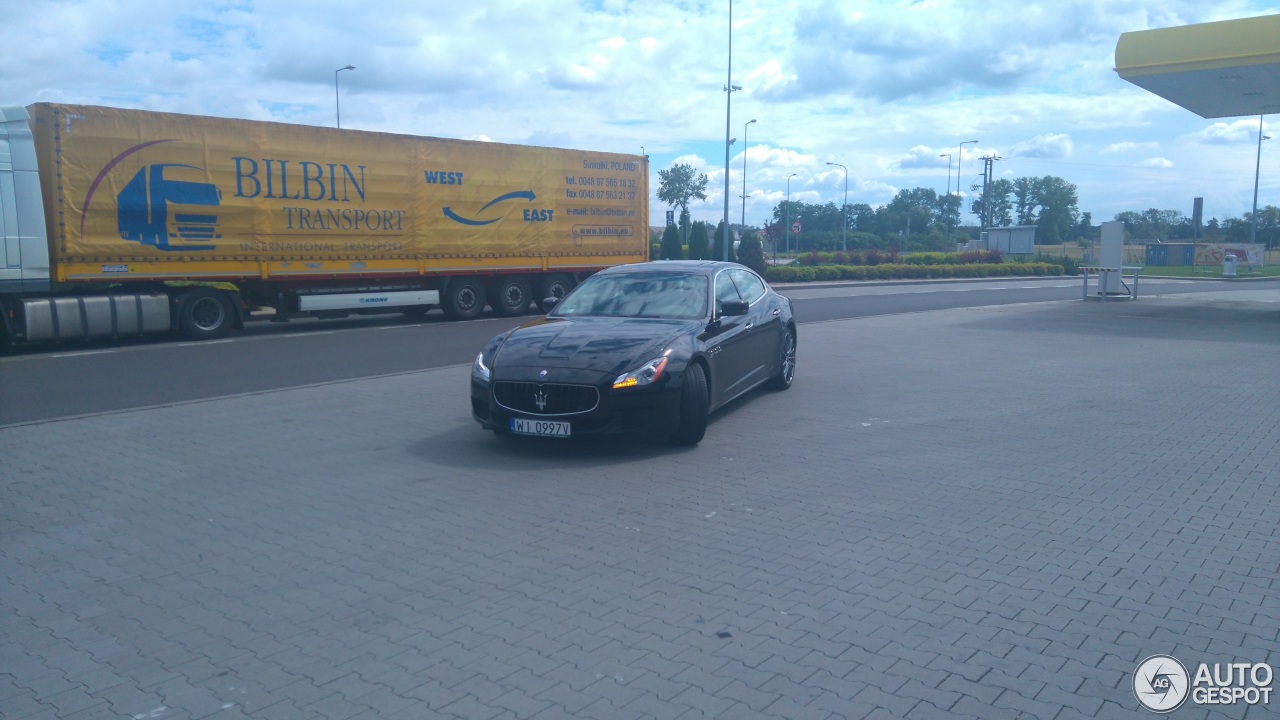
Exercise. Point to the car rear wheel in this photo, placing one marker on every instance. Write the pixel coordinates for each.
(787, 366)
(693, 408)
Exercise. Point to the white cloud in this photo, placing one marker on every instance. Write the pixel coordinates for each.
(1156, 162)
(1049, 145)
(1221, 133)
(1124, 147)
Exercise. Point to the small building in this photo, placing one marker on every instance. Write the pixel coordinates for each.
(1170, 254)
(1012, 240)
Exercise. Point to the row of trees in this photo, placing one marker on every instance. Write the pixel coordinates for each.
(921, 219)
(1172, 225)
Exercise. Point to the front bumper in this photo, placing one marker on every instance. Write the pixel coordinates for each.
(649, 410)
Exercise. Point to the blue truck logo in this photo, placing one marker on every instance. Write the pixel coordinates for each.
(159, 209)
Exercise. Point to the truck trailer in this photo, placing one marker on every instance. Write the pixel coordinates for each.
(120, 222)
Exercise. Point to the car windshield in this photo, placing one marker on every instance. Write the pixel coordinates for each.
(640, 295)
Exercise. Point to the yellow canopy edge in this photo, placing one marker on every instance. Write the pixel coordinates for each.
(1219, 69)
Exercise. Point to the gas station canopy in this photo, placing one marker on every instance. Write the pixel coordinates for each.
(1218, 69)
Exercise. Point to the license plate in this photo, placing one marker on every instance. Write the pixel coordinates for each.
(542, 428)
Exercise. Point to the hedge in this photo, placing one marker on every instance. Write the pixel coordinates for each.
(794, 273)
(879, 257)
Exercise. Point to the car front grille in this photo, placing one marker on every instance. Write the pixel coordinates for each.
(545, 398)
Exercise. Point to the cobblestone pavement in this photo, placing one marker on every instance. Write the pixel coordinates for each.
(991, 513)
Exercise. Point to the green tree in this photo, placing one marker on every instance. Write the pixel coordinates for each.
(671, 249)
(1059, 208)
(1001, 211)
(751, 252)
(678, 186)
(698, 241)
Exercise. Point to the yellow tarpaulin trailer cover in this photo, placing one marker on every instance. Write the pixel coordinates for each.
(130, 185)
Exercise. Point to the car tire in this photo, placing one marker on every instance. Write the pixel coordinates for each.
(511, 296)
(693, 407)
(787, 365)
(556, 285)
(205, 314)
(464, 300)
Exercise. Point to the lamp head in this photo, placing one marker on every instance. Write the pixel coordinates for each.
(349, 67)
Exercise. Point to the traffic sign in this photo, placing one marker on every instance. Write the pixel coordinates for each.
(671, 217)
(795, 227)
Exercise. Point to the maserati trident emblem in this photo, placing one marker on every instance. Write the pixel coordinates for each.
(540, 399)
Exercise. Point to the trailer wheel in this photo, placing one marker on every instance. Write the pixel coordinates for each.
(511, 296)
(556, 285)
(204, 314)
(464, 300)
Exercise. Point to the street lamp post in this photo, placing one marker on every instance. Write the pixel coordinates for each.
(948, 196)
(337, 108)
(788, 226)
(844, 221)
(1257, 172)
(744, 171)
(959, 158)
(729, 87)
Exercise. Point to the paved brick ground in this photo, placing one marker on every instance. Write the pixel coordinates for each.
(992, 513)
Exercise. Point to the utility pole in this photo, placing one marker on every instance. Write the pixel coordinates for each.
(985, 218)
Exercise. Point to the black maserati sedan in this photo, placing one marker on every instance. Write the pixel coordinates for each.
(645, 348)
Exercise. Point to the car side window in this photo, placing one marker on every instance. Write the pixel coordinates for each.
(726, 291)
(750, 287)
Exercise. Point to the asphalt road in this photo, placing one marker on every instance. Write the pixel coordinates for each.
(66, 381)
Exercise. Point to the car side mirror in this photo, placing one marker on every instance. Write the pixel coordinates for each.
(734, 307)
(550, 302)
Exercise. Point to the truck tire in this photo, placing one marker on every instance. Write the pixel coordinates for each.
(205, 314)
(511, 296)
(464, 300)
(555, 285)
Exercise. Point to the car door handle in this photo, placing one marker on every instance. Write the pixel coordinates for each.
(749, 326)
(777, 311)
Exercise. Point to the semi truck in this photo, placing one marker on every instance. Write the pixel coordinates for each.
(118, 222)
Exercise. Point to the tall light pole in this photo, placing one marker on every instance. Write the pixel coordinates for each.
(959, 158)
(844, 221)
(1257, 172)
(337, 108)
(948, 196)
(744, 170)
(729, 87)
(788, 227)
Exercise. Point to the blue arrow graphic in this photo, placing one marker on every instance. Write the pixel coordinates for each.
(517, 195)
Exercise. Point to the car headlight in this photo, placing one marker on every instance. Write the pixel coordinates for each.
(480, 370)
(646, 374)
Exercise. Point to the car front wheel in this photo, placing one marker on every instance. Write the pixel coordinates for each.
(693, 408)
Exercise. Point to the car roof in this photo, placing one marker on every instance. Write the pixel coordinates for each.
(692, 267)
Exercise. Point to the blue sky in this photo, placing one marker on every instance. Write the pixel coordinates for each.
(881, 87)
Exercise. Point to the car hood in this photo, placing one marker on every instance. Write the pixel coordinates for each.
(607, 345)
